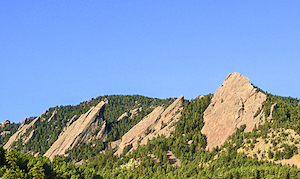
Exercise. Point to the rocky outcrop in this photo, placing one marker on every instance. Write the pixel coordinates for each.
(53, 114)
(270, 117)
(26, 140)
(234, 104)
(4, 123)
(101, 134)
(114, 144)
(131, 114)
(81, 130)
(123, 116)
(72, 120)
(21, 130)
(5, 133)
(158, 122)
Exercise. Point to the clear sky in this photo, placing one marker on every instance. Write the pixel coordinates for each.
(66, 52)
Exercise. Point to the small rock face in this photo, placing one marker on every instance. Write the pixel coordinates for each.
(53, 114)
(4, 123)
(123, 116)
(234, 104)
(79, 130)
(29, 137)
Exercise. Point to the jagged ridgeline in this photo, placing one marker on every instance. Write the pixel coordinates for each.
(43, 131)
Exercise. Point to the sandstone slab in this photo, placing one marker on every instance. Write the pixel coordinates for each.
(158, 122)
(79, 130)
(234, 104)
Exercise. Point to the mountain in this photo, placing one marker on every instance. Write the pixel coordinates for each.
(238, 132)
(234, 104)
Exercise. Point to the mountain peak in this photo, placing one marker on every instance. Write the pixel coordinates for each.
(234, 104)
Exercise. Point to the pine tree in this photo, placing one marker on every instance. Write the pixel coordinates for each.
(37, 171)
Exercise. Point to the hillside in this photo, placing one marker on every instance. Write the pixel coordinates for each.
(238, 132)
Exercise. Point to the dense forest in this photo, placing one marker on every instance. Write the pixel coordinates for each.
(187, 143)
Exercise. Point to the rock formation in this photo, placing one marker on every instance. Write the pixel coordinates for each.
(53, 114)
(123, 116)
(158, 122)
(26, 139)
(5, 133)
(80, 130)
(131, 114)
(21, 130)
(234, 104)
(4, 123)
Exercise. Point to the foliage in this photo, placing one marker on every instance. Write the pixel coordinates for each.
(20, 165)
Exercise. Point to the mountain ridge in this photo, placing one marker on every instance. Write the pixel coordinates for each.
(221, 134)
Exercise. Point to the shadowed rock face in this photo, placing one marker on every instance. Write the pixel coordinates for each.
(234, 104)
(156, 123)
(79, 130)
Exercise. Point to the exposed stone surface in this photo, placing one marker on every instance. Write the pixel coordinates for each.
(234, 104)
(29, 137)
(21, 130)
(5, 133)
(166, 125)
(80, 130)
(37, 154)
(135, 111)
(200, 97)
(174, 161)
(139, 130)
(53, 114)
(131, 114)
(74, 118)
(101, 134)
(2, 124)
(156, 123)
(270, 117)
(123, 116)
(114, 144)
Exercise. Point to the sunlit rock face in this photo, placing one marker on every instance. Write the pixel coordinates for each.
(80, 130)
(234, 104)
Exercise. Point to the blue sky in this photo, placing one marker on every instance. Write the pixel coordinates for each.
(65, 52)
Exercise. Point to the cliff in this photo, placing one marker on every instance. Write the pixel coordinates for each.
(234, 104)
(79, 130)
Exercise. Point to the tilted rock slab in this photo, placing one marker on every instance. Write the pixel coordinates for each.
(167, 122)
(21, 130)
(152, 125)
(79, 130)
(234, 104)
